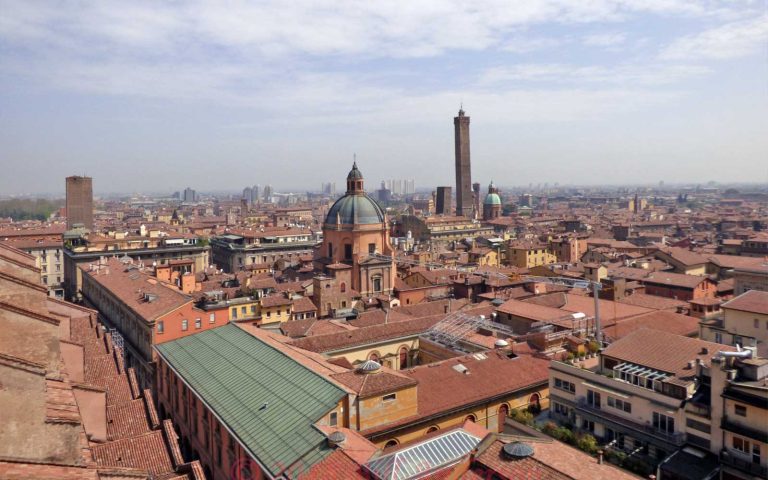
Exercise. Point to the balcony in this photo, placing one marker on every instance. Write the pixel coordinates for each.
(743, 430)
(732, 460)
(646, 432)
(700, 410)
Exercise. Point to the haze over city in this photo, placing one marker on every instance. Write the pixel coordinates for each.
(148, 96)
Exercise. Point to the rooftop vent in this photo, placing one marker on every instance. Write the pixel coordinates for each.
(336, 438)
(501, 343)
(369, 366)
(517, 450)
(461, 369)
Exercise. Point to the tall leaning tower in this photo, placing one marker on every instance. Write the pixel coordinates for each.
(464, 201)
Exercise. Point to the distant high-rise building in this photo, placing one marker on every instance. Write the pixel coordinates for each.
(248, 195)
(80, 201)
(255, 191)
(190, 196)
(268, 193)
(328, 188)
(384, 194)
(464, 203)
(443, 201)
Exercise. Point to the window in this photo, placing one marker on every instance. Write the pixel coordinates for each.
(160, 327)
(343, 287)
(389, 398)
(330, 249)
(663, 423)
(269, 314)
(198, 323)
(234, 313)
(593, 399)
(561, 409)
(741, 444)
(700, 426)
(243, 310)
(279, 312)
(371, 248)
(619, 404)
(212, 318)
(756, 322)
(403, 358)
(565, 385)
(185, 324)
(718, 337)
(756, 453)
(253, 309)
(347, 252)
(334, 419)
(740, 410)
(376, 284)
(588, 425)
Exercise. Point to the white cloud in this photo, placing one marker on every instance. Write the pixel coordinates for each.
(731, 40)
(398, 28)
(559, 74)
(605, 39)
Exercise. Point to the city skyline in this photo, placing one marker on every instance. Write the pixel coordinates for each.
(630, 93)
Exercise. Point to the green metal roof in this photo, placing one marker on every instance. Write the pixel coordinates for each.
(237, 374)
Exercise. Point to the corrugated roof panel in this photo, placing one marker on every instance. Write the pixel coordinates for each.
(235, 373)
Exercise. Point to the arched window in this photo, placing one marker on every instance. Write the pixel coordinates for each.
(343, 287)
(403, 358)
(374, 356)
(534, 403)
(433, 428)
(471, 418)
(391, 443)
(503, 413)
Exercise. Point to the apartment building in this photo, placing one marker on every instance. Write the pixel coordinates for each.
(672, 403)
(744, 322)
(241, 248)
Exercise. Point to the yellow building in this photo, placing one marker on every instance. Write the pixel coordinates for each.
(523, 254)
(397, 407)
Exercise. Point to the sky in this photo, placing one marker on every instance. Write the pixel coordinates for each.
(217, 95)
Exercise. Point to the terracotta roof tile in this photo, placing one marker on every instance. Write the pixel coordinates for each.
(147, 452)
(754, 301)
(442, 387)
(661, 351)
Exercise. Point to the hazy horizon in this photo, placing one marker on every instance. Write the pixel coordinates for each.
(152, 97)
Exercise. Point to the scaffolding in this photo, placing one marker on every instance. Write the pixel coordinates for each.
(117, 341)
(458, 326)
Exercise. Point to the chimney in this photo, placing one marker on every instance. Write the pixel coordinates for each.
(599, 457)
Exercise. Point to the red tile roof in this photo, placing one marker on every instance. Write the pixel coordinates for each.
(664, 352)
(442, 387)
(753, 301)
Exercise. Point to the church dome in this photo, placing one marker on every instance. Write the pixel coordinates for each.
(355, 209)
(492, 199)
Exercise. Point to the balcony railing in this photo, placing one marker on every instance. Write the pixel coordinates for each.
(700, 410)
(675, 438)
(730, 459)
